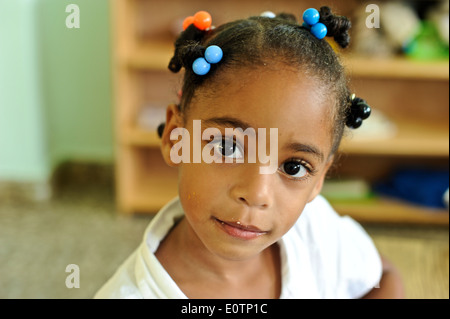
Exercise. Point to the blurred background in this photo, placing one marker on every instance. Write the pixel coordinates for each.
(84, 85)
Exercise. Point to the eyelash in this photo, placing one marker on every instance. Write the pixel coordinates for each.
(224, 140)
(311, 171)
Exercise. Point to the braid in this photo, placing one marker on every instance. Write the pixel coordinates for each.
(186, 44)
(287, 17)
(358, 111)
(338, 26)
(257, 40)
(189, 52)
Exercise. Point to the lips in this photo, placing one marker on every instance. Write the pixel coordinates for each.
(238, 230)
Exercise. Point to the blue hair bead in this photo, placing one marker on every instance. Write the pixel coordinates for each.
(311, 16)
(213, 54)
(319, 30)
(201, 66)
(306, 25)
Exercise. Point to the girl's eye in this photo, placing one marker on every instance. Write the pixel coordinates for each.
(295, 169)
(229, 148)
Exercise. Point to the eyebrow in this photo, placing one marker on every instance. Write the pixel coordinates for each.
(228, 121)
(294, 147)
(305, 148)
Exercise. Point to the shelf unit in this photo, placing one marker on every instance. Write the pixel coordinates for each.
(414, 95)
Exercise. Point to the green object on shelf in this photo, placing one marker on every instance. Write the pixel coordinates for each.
(353, 190)
(427, 44)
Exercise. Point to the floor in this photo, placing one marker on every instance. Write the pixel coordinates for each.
(81, 226)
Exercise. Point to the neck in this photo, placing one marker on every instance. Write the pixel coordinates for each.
(197, 271)
(205, 262)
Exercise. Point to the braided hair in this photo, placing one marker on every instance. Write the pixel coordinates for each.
(258, 39)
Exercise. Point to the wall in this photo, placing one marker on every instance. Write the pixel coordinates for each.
(77, 84)
(23, 146)
(55, 87)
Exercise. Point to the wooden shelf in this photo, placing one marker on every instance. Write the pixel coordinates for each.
(150, 182)
(396, 68)
(145, 183)
(411, 140)
(154, 195)
(151, 56)
(382, 210)
(156, 56)
(141, 138)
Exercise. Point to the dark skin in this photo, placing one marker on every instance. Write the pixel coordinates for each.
(207, 257)
(391, 284)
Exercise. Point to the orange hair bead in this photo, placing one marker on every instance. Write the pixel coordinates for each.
(202, 20)
(187, 22)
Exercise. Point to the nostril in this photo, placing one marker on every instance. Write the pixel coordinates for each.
(242, 199)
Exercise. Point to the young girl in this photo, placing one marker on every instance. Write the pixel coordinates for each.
(235, 232)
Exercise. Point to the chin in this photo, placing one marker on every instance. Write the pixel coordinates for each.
(233, 249)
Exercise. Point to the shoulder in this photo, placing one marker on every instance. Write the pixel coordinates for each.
(122, 285)
(344, 257)
(319, 221)
(141, 275)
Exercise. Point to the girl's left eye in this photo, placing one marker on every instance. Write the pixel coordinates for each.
(295, 169)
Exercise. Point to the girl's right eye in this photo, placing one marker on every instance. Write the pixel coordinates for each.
(228, 148)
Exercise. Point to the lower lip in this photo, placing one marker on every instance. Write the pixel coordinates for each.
(239, 232)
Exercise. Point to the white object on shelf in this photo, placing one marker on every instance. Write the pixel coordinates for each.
(150, 116)
(446, 198)
(376, 127)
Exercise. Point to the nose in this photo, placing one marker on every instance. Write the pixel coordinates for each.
(252, 188)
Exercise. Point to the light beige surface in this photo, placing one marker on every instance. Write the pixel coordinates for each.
(422, 256)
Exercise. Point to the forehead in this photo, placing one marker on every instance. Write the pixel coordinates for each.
(272, 97)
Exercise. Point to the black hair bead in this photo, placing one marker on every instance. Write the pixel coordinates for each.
(366, 112)
(160, 129)
(358, 112)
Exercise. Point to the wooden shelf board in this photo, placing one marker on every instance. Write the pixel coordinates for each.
(154, 191)
(156, 56)
(144, 205)
(154, 187)
(152, 56)
(140, 137)
(378, 211)
(382, 210)
(411, 140)
(397, 68)
(150, 184)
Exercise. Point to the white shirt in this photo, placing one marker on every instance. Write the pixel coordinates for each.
(323, 255)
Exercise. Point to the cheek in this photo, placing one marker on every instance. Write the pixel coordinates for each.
(290, 205)
(199, 188)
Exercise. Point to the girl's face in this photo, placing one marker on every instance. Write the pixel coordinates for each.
(234, 210)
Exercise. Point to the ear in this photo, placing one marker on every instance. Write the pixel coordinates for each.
(318, 187)
(174, 119)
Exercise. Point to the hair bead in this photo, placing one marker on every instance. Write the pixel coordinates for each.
(319, 30)
(202, 20)
(187, 22)
(268, 14)
(358, 112)
(311, 16)
(201, 66)
(213, 54)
